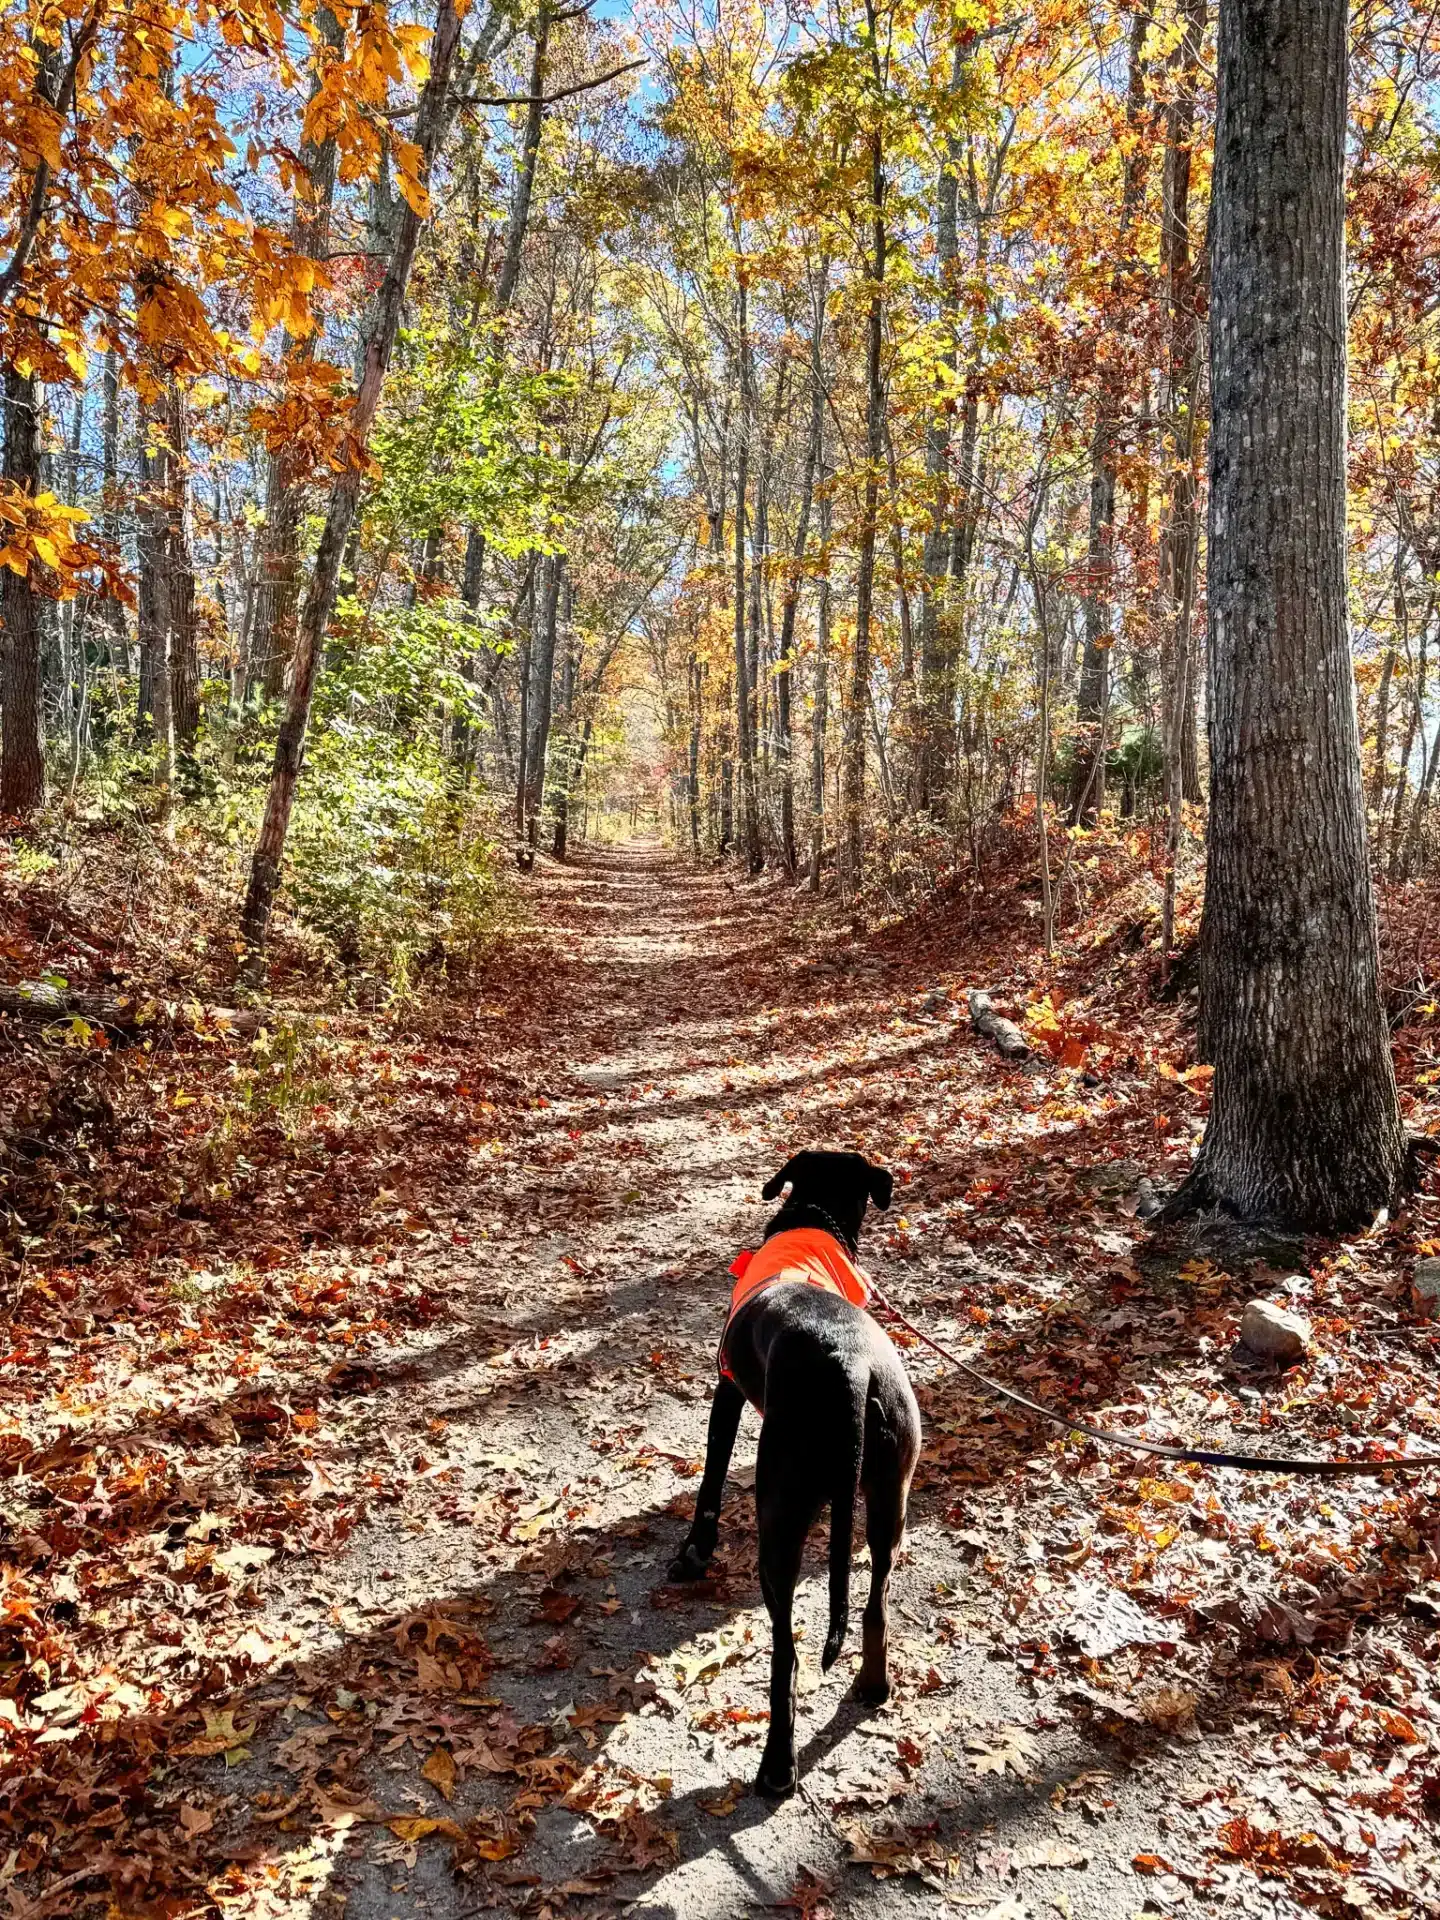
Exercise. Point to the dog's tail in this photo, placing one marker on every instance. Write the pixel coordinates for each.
(845, 1489)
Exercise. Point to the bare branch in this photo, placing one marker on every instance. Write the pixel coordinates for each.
(549, 99)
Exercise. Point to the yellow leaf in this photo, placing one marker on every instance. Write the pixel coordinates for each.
(419, 1826)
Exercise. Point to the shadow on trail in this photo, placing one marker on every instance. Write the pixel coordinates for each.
(326, 1751)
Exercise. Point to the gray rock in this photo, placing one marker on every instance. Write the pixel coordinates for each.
(1147, 1202)
(1425, 1288)
(1277, 1333)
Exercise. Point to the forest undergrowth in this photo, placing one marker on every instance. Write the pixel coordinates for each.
(356, 1371)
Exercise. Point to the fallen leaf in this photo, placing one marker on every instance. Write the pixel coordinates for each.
(439, 1770)
(1006, 1747)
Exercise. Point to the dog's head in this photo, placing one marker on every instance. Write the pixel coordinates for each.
(837, 1186)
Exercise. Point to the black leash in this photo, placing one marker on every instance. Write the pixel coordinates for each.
(1246, 1462)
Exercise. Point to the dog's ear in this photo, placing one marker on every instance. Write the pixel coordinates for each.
(881, 1183)
(771, 1188)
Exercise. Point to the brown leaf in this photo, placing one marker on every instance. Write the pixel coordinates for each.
(439, 1770)
(724, 1801)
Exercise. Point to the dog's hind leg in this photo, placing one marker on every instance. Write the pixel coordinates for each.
(783, 1527)
(696, 1554)
(884, 1529)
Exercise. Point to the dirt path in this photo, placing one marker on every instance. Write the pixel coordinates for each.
(475, 1691)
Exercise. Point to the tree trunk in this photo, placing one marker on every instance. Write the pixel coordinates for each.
(744, 711)
(180, 571)
(542, 677)
(695, 689)
(22, 758)
(1305, 1126)
(344, 499)
(1183, 385)
(1382, 739)
(110, 503)
(519, 220)
(277, 600)
(1087, 779)
(820, 715)
(787, 635)
(154, 717)
(858, 708)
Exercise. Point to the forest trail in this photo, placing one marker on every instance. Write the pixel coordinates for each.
(555, 1441)
(391, 1638)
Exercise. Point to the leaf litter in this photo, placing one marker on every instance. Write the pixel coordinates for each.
(338, 1503)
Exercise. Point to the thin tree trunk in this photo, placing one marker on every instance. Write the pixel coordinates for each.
(22, 758)
(277, 599)
(180, 575)
(344, 499)
(542, 677)
(858, 708)
(694, 688)
(1305, 1124)
(154, 714)
(519, 220)
(819, 715)
(110, 503)
(787, 635)
(1184, 377)
(1087, 781)
(744, 712)
(1382, 741)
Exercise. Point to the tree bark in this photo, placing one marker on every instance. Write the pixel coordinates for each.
(542, 691)
(1087, 778)
(114, 611)
(180, 571)
(344, 499)
(820, 704)
(858, 707)
(519, 220)
(787, 636)
(1305, 1127)
(22, 758)
(277, 600)
(1183, 385)
(744, 710)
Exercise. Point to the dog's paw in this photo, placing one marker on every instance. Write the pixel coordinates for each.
(687, 1565)
(775, 1783)
(873, 1693)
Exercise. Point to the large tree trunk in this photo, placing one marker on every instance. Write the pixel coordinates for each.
(344, 499)
(1305, 1127)
(22, 760)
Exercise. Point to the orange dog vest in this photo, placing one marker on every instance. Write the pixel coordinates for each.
(808, 1254)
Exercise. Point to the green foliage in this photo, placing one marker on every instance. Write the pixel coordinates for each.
(283, 1079)
(388, 858)
(467, 440)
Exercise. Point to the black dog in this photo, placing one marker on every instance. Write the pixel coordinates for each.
(839, 1415)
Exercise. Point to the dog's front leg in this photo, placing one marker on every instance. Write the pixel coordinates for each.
(694, 1557)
